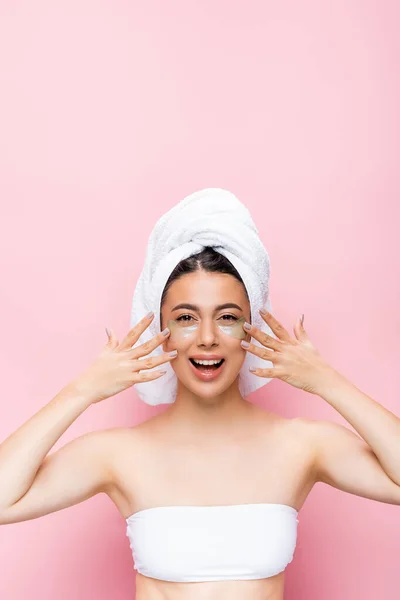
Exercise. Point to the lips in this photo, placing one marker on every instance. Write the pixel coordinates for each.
(207, 373)
(207, 357)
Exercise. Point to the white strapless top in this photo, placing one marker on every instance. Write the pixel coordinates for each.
(213, 543)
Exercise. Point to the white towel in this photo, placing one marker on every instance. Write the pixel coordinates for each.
(210, 217)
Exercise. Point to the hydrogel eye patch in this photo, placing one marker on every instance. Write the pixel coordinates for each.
(180, 330)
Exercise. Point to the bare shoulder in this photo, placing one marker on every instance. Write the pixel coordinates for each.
(302, 425)
(323, 434)
(305, 429)
(115, 438)
(299, 431)
(301, 434)
(105, 447)
(315, 429)
(297, 434)
(125, 444)
(313, 432)
(297, 428)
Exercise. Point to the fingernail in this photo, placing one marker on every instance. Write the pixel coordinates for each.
(252, 369)
(173, 352)
(263, 311)
(247, 326)
(245, 344)
(165, 331)
(107, 332)
(302, 319)
(149, 315)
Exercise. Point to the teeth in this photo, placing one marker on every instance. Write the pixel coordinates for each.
(207, 362)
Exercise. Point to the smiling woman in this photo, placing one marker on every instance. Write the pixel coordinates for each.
(209, 540)
(211, 488)
(233, 519)
(215, 221)
(207, 366)
(215, 303)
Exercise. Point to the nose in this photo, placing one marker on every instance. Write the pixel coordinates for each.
(207, 333)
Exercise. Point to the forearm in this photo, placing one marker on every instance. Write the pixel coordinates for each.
(22, 453)
(379, 427)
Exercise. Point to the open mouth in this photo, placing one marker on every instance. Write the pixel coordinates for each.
(207, 372)
(205, 368)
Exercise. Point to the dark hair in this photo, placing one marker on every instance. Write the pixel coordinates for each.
(207, 260)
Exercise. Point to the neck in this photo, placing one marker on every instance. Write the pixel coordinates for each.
(215, 415)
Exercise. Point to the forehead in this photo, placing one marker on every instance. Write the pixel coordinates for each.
(206, 289)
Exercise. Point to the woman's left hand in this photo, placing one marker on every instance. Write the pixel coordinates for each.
(296, 361)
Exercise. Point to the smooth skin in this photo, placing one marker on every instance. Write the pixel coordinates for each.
(210, 447)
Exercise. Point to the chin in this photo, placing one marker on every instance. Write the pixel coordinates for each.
(209, 390)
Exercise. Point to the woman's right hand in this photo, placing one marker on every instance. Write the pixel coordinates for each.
(118, 367)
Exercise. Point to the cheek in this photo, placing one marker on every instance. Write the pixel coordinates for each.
(181, 334)
(235, 330)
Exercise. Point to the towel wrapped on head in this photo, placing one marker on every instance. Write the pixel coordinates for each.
(210, 217)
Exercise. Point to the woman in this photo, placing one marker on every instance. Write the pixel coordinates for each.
(210, 488)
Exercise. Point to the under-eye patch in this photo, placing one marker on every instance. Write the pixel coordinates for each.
(182, 329)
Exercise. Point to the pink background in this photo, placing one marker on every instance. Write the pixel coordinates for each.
(111, 112)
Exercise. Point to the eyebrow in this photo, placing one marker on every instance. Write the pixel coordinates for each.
(197, 309)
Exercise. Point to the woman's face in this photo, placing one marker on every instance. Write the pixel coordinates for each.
(205, 313)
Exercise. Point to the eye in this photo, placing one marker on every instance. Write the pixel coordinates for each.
(187, 318)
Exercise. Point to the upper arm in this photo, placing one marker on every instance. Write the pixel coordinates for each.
(345, 461)
(73, 473)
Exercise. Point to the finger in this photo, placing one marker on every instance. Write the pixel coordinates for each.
(264, 372)
(261, 352)
(264, 338)
(134, 334)
(152, 361)
(112, 339)
(299, 330)
(147, 376)
(276, 326)
(149, 346)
